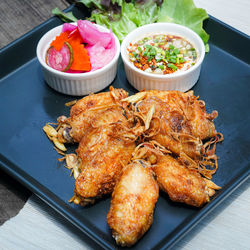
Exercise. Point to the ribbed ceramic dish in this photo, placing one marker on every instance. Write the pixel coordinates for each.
(183, 80)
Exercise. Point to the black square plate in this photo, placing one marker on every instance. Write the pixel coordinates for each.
(27, 103)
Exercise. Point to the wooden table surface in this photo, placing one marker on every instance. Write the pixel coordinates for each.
(19, 17)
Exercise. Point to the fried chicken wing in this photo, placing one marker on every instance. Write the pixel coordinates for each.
(202, 123)
(181, 183)
(174, 130)
(132, 204)
(93, 110)
(102, 157)
(100, 99)
(191, 110)
(77, 125)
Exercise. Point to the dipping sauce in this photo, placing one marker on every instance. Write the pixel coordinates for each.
(162, 54)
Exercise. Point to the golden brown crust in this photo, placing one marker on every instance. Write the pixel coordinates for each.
(180, 183)
(94, 118)
(192, 109)
(175, 130)
(102, 158)
(103, 98)
(181, 120)
(132, 204)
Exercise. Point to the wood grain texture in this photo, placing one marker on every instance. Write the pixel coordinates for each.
(17, 18)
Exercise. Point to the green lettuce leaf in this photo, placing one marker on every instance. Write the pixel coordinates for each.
(141, 13)
(185, 13)
(92, 4)
(120, 26)
(65, 17)
(123, 16)
(104, 5)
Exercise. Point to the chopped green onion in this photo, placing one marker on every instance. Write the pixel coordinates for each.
(182, 60)
(172, 59)
(172, 66)
(171, 46)
(153, 51)
(135, 54)
(148, 46)
(164, 60)
(176, 51)
(145, 52)
(167, 54)
(161, 67)
(150, 58)
(194, 55)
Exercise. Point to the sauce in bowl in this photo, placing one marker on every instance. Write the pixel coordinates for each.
(162, 54)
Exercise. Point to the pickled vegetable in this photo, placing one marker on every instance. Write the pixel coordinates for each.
(60, 60)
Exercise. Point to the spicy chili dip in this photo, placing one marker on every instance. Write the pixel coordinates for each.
(162, 54)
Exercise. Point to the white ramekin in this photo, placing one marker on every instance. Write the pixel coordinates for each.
(77, 84)
(183, 80)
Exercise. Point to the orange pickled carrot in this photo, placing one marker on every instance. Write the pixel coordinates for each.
(60, 40)
(74, 37)
(81, 60)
